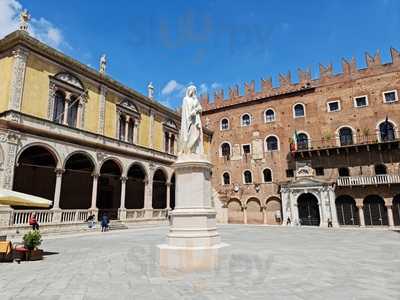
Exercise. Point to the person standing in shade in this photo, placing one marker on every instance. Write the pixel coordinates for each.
(104, 223)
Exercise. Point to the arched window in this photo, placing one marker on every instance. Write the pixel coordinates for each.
(224, 124)
(267, 175)
(247, 176)
(226, 150)
(271, 143)
(269, 115)
(298, 110)
(386, 131)
(302, 141)
(344, 172)
(380, 169)
(226, 178)
(346, 136)
(246, 120)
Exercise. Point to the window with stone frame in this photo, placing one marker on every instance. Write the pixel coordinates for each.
(267, 175)
(67, 100)
(226, 178)
(128, 122)
(390, 96)
(170, 136)
(245, 120)
(247, 177)
(224, 124)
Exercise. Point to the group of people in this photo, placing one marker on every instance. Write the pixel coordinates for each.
(105, 222)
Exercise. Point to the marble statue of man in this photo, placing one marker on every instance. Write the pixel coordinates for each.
(103, 63)
(191, 134)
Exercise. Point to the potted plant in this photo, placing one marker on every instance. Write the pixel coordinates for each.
(32, 240)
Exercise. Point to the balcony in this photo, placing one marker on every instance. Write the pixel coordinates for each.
(368, 180)
(345, 143)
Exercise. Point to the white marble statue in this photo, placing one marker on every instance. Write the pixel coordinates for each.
(191, 134)
(103, 63)
(24, 18)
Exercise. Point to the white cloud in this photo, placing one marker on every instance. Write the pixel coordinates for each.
(171, 87)
(40, 28)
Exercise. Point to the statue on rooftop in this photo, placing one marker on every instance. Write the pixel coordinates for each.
(103, 64)
(24, 18)
(191, 134)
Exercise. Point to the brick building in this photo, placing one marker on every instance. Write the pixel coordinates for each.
(317, 151)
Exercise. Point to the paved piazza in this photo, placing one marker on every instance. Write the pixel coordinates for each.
(261, 263)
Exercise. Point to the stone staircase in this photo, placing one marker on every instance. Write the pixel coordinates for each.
(117, 225)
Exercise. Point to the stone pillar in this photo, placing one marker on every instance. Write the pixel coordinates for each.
(148, 197)
(57, 192)
(264, 211)
(126, 127)
(122, 209)
(66, 107)
(361, 214)
(151, 130)
(79, 115)
(13, 140)
(102, 109)
(390, 215)
(18, 77)
(331, 197)
(136, 131)
(94, 191)
(168, 195)
(245, 215)
(6, 214)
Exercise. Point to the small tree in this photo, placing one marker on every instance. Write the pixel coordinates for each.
(32, 239)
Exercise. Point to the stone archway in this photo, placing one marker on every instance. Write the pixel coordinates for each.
(135, 187)
(159, 200)
(35, 172)
(254, 212)
(308, 210)
(347, 211)
(77, 182)
(109, 189)
(375, 211)
(273, 210)
(235, 212)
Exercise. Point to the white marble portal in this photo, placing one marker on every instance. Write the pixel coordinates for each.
(193, 240)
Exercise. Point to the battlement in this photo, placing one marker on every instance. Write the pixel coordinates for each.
(326, 77)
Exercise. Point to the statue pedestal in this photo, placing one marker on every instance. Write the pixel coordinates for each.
(193, 240)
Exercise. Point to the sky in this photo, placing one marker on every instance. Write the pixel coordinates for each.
(212, 44)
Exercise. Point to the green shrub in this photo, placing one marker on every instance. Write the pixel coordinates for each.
(32, 239)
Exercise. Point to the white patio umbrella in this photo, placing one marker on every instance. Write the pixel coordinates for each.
(8, 197)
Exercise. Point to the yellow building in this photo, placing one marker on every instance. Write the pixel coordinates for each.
(74, 135)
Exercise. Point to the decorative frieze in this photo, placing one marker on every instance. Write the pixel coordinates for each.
(102, 109)
(13, 140)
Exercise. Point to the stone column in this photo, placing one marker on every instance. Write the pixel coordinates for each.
(148, 198)
(168, 184)
(126, 127)
(66, 107)
(390, 215)
(331, 197)
(102, 109)
(122, 210)
(136, 131)
(13, 140)
(79, 114)
(264, 211)
(245, 215)
(94, 191)
(18, 77)
(361, 214)
(57, 192)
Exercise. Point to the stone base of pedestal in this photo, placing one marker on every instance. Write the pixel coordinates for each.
(193, 240)
(189, 259)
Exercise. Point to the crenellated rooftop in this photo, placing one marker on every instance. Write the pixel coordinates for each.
(305, 82)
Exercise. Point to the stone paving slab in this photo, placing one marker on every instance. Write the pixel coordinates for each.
(260, 263)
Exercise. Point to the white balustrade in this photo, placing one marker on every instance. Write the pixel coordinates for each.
(368, 180)
(21, 217)
(74, 215)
